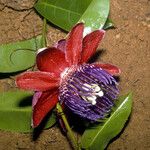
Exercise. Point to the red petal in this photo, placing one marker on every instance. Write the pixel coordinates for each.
(51, 60)
(113, 70)
(37, 81)
(90, 44)
(61, 45)
(45, 103)
(74, 44)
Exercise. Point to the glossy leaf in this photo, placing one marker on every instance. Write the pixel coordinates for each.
(18, 56)
(66, 13)
(95, 15)
(97, 137)
(16, 111)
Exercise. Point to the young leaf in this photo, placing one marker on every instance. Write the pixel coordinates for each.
(18, 56)
(97, 137)
(66, 13)
(16, 111)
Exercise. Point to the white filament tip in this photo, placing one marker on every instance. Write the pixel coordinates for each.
(100, 93)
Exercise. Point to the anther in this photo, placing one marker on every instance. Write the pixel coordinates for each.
(100, 93)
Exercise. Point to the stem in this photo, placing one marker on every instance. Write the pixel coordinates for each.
(69, 131)
(44, 42)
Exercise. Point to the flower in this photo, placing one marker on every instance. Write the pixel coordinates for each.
(88, 90)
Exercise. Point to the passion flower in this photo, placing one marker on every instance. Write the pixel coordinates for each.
(88, 90)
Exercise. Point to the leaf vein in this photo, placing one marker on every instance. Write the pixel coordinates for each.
(56, 7)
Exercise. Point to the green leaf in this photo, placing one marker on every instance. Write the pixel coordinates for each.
(109, 24)
(16, 111)
(18, 56)
(97, 137)
(66, 13)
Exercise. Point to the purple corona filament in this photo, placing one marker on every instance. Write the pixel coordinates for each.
(88, 91)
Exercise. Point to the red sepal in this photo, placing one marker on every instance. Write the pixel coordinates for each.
(74, 44)
(90, 44)
(45, 103)
(51, 60)
(37, 81)
(113, 70)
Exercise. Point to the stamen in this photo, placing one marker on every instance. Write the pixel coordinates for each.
(100, 94)
(94, 91)
(95, 87)
(91, 99)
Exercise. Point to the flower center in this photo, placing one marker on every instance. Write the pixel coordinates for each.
(88, 91)
(95, 91)
(64, 73)
(67, 72)
(85, 82)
